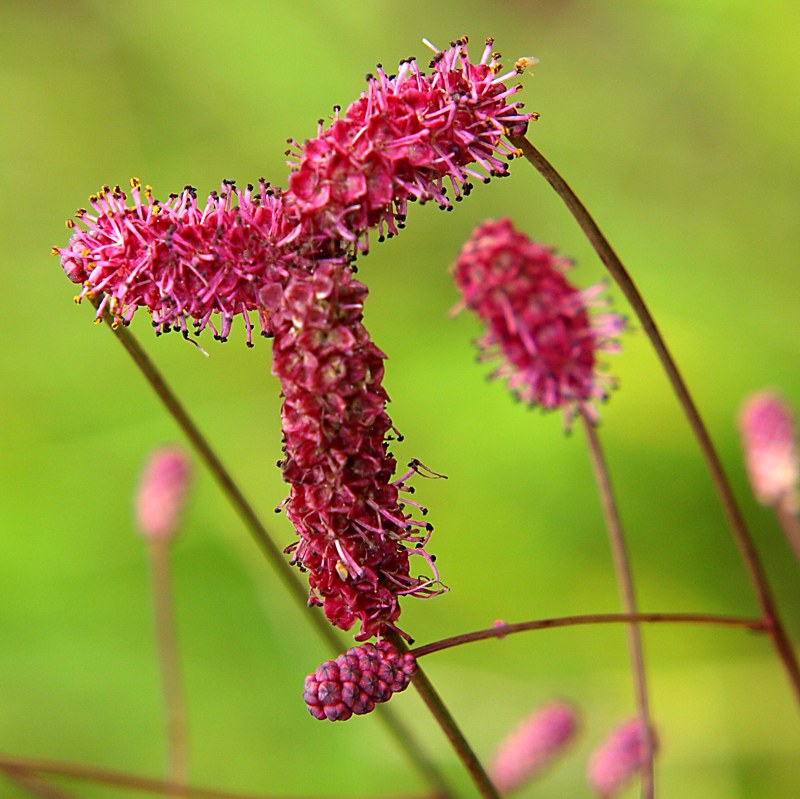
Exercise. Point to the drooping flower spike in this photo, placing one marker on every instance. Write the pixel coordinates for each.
(409, 137)
(356, 536)
(356, 681)
(537, 322)
(181, 260)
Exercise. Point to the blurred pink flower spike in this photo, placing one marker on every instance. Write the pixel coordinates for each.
(537, 323)
(533, 745)
(163, 489)
(769, 440)
(617, 760)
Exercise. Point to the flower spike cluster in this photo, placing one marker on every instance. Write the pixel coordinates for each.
(356, 681)
(618, 759)
(537, 322)
(356, 537)
(286, 256)
(405, 139)
(181, 260)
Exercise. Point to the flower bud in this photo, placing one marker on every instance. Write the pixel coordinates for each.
(534, 744)
(162, 493)
(618, 759)
(770, 449)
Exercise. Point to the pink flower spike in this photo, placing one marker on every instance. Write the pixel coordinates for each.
(356, 681)
(356, 534)
(617, 760)
(537, 322)
(769, 440)
(162, 493)
(402, 141)
(533, 745)
(179, 259)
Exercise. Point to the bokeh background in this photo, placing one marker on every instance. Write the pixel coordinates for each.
(678, 123)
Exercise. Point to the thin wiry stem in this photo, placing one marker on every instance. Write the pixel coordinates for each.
(448, 724)
(119, 779)
(34, 784)
(502, 630)
(401, 733)
(628, 596)
(169, 660)
(758, 578)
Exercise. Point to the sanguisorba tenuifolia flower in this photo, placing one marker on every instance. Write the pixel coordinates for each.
(403, 140)
(537, 322)
(356, 537)
(179, 259)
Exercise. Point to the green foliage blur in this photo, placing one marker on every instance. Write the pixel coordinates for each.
(677, 121)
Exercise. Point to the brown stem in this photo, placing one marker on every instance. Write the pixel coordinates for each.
(448, 724)
(502, 630)
(628, 596)
(169, 661)
(33, 784)
(18, 765)
(399, 731)
(758, 578)
(790, 524)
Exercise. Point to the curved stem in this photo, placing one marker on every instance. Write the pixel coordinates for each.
(502, 630)
(399, 731)
(33, 784)
(24, 765)
(169, 660)
(758, 577)
(448, 724)
(628, 596)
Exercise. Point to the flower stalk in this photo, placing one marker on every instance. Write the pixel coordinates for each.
(758, 578)
(628, 596)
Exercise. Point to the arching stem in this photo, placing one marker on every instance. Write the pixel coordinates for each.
(758, 578)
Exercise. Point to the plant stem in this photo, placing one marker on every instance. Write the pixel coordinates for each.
(758, 578)
(33, 784)
(399, 731)
(628, 596)
(448, 724)
(18, 766)
(169, 660)
(502, 630)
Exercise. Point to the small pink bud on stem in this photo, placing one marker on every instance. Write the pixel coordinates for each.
(162, 493)
(770, 448)
(533, 745)
(769, 440)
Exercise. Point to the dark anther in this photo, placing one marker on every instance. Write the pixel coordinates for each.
(429, 527)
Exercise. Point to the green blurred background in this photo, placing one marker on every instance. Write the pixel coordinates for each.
(678, 123)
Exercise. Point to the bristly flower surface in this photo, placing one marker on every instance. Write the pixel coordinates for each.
(356, 537)
(356, 681)
(533, 745)
(179, 259)
(769, 440)
(537, 322)
(404, 140)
